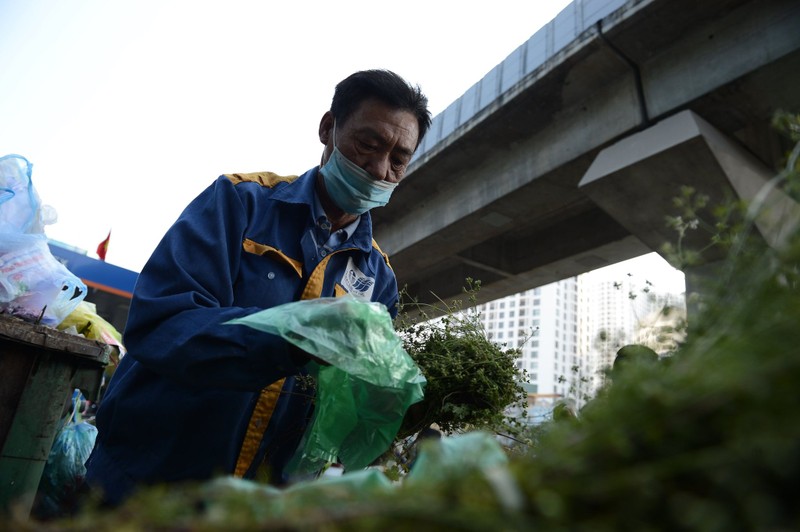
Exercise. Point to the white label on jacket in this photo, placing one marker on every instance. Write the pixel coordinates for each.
(356, 283)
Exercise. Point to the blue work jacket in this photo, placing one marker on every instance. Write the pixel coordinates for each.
(193, 398)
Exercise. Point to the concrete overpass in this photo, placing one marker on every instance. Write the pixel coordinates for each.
(564, 158)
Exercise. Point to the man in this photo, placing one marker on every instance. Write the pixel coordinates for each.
(194, 398)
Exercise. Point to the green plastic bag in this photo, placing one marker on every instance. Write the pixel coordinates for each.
(440, 460)
(363, 395)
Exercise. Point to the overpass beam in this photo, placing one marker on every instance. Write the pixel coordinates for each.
(636, 179)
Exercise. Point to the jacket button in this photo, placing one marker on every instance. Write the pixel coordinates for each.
(271, 275)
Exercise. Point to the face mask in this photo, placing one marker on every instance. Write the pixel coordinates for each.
(351, 187)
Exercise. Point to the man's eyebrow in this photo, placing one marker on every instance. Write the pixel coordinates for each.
(405, 151)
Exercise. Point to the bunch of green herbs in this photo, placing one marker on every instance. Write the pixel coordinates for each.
(473, 383)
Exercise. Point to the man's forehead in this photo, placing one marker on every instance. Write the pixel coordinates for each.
(386, 126)
(386, 130)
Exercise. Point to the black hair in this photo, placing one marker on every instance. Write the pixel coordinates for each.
(385, 86)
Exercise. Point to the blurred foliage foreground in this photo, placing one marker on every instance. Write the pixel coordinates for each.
(708, 439)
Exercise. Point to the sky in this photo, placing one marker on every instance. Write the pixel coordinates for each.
(650, 268)
(128, 109)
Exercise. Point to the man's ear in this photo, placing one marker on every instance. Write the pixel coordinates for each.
(326, 127)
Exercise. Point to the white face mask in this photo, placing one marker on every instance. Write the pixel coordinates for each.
(351, 187)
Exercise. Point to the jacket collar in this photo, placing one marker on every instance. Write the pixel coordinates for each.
(302, 191)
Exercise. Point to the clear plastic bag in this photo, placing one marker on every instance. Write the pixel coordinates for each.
(21, 211)
(363, 395)
(33, 284)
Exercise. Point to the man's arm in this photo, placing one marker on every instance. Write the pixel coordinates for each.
(186, 292)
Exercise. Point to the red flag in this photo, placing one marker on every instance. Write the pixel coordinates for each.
(103, 247)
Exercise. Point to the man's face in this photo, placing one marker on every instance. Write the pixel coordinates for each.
(379, 139)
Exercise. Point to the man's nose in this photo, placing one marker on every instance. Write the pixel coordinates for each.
(378, 167)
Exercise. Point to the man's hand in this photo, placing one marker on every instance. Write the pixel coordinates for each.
(301, 358)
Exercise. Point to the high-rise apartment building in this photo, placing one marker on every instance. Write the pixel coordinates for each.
(569, 331)
(543, 324)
